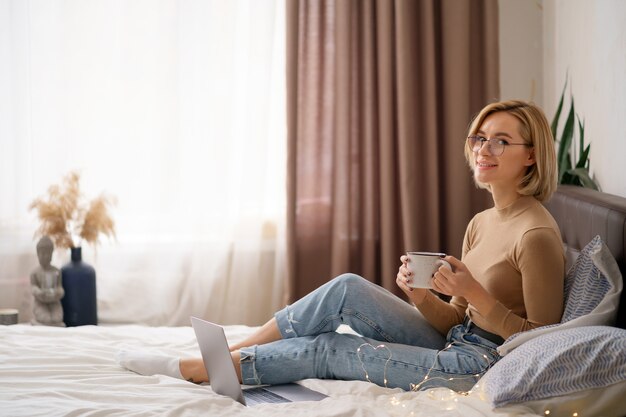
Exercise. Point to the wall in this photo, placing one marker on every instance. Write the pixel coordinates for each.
(587, 40)
(521, 50)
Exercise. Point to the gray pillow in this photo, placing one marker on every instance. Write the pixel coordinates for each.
(592, 290)
(555, 371)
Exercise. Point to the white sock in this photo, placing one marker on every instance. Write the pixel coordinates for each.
(146, 363)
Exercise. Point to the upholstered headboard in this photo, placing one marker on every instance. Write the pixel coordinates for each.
(582, 214)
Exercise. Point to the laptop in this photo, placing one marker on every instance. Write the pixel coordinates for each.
(223, 378)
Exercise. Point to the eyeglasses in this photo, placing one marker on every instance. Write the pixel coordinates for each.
(494, 146)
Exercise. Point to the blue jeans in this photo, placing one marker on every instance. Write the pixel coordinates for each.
(397, 346)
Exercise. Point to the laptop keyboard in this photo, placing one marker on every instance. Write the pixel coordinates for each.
(261, 395)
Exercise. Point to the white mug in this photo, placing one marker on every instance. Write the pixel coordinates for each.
(423, 265)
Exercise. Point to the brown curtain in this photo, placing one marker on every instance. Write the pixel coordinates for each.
(380, 94)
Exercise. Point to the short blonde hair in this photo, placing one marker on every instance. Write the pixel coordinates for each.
(540, 180)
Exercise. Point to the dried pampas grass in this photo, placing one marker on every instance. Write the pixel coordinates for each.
(66, 218)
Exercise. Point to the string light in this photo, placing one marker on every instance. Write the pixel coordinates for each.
(417, 387)
(358, 354)
(427, 377)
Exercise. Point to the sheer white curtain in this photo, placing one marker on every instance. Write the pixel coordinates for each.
(177, 109)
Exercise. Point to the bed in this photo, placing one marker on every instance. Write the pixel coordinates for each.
(46, 371)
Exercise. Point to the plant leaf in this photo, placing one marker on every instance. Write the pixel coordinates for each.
(581, 139)
(557, 115)
(568, 178)
(583, 161)
(583, 177)
(564, 160)
(579, 175)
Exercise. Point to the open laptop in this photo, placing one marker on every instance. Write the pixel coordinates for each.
(219, 366)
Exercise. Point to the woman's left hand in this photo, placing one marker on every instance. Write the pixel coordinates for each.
(457, 282)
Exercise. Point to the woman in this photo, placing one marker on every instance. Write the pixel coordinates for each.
(510, 279)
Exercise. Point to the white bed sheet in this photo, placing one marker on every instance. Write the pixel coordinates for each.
(47, 371)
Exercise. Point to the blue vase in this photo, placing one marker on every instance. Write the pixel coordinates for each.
(79, 282)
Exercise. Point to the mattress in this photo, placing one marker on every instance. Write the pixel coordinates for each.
(48, 371)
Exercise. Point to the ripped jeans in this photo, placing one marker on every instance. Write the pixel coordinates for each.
(395, 345)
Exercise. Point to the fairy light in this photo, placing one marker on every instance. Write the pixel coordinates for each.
(416, 387)
(427, 377)
(382, 346)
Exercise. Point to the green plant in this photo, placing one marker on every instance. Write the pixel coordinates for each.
(579, 173)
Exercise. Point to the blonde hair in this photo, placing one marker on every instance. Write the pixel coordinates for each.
(540, 180)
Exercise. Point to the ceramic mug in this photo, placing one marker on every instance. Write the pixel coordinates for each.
(423, 265)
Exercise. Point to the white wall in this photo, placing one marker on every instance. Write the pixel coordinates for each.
(521, 50)
(586, 39)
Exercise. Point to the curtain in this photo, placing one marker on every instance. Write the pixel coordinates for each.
(380, 94)
(175, 108)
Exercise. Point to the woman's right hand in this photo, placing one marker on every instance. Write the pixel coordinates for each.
(404, 278)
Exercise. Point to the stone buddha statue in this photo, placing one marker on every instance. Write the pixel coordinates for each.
(47, 288)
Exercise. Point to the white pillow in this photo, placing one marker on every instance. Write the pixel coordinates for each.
(600, 402)
(592, 291)
(558, 370)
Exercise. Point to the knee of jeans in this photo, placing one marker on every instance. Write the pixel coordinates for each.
(350, 279)
(334, 353)
(326, 343)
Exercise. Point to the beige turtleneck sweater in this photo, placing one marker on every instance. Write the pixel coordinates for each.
(516, 254)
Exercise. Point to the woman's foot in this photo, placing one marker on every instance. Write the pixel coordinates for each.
(146, 363)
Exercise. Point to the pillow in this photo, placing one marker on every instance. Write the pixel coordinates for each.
(559, 370)
(592, 290)
(599, 402)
